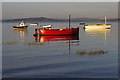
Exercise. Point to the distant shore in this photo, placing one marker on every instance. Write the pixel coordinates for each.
(44, 19)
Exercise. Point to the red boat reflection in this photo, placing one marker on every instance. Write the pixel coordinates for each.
(55, 38)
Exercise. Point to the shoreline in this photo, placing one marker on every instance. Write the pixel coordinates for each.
(45, 19)
(59, 21)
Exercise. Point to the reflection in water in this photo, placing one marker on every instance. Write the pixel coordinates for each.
(66, 40)
(55, 38)
(9, 42)
(33, 43)
(22, 32)
(91, 52)
(98, 32)
(70, 40)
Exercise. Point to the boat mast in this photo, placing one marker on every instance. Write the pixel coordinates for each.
(105, 19)
(69, 20)
(69, 28)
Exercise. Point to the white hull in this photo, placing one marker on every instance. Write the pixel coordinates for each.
(97, 27)
(33, 24)
(105, 27)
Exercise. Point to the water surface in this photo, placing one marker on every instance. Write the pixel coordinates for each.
(26, 56)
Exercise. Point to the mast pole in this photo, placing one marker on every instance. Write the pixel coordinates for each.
(105, 19)
(69, 20)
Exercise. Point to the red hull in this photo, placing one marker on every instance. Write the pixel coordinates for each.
(67, 31)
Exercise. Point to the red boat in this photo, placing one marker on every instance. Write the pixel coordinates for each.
(46, 30)
(50, 32)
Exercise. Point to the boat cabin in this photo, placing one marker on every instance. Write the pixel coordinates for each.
(22, 24)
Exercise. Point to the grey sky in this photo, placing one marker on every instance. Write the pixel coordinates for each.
(59, 0)
(59, 9)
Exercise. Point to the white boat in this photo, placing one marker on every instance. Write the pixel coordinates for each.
(34, 24)
(47, 26)
(21, 26)
(105, 26)
(94, 26)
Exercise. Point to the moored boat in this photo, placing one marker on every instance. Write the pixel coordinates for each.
(21, 26)
(82, 23)
(48, 31)
(34, 24)
(47, 26)
(96, 26)
(51, 32)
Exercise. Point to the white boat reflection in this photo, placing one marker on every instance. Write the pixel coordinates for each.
(98, 32)
(21, 32)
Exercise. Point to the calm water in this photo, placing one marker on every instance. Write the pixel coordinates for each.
(25, 56)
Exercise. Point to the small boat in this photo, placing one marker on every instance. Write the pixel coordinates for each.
(48, 31)
(95, 26)
(34, 24)
(47, 26)
(21, 26)
(82, 23)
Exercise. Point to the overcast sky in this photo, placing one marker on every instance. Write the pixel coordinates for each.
(59, 9)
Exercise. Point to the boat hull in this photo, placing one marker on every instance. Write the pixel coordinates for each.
(52, 32)
(33, 24)
(20, 27)
(104, 26)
